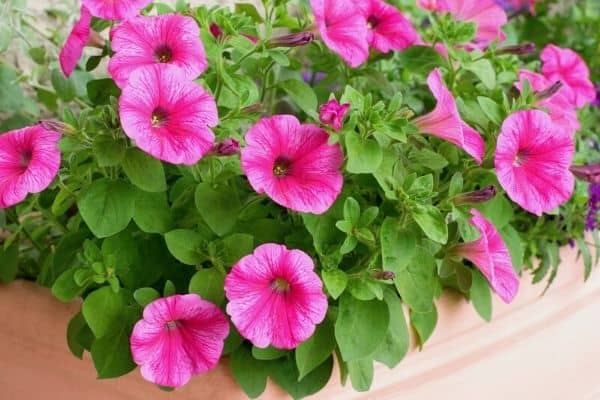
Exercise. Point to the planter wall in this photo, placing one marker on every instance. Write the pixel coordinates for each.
(538, 347)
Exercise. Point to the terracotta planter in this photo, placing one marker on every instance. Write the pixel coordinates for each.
(538, 347)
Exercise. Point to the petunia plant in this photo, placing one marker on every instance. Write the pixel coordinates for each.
(290, 184)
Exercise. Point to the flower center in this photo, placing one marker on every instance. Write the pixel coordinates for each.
(280, 285)
(163, 53)
(372, 22)
(521, 158)
(26, 156)
(282, 166)
(159, 116)
(172, 325)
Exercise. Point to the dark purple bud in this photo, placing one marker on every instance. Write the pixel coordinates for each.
(227, 147)
(589, 173)
(477, 196)
(215, 30)
(254, 108)
(291, 40)
(518, 49)
(549, 91)
(57, 126)
(383, 275)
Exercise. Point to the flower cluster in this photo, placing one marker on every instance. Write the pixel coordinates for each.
(276, 198)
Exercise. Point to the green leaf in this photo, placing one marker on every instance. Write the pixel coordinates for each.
(348, 245)
(9, 262)
(456, 184)
(432, 222)
(420, 59)
(351, 211)
(398, 245)
(268, 353)
(396, 343)
(102, 310)
(236, 246)
(416, 282)
(152, 213)
(481, 296)
(491, 109)
(364, 155)
(424, 324)
(11, 95)
(64, 87)
(285, 374)
(302, 94)
(360, 326)
(250, 10)
(65, 288)
(144, 171)
(108, 151)
(428, 159)
(101, 90)
(107, 206)
(335, 281)
(313, 352)
(219, 207)
(186, 246)
(361, 374)
(250, 373)
(484, 70)
(513, 241)
(368, 216)
(78, 332)
(499, 211)
(208, 283)
(146, 295)
(111, 353)
(587, 257)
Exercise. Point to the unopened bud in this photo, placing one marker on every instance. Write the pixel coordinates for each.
(254, 108)
(518, 49)
(215, 30)
(383, 275)
(95, 40)
(227, 147)
(589, 173)
(549, 91)
(291, 40)
(57, 126)
(477, 196)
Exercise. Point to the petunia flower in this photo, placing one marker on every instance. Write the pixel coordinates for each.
(559, 108)
(72, 49)
(275, 297)
(567, 66)
(532, 161)
(388, 29)
(486, 14)
(179, 336)
(29, 161)
(589, 173)
(226, 147)
(343, 28)
(445, 122)
(115, 9)
(333, 113)
(168, 116)
(293, 164)
(591, 220)
(432, 5)
(490, 255)
(165, 39)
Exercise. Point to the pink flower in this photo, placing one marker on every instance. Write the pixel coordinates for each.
(532, 161)
(72, 50)
(491, 257)
(115, 9)
(165, 39)
(559, 107)
(29, 161)
(343, 28)
(333, 113)
(445, 122)
(432, 5)
(388, 29)
(179, 336)
(488, 16)
(567, 66)
(167, 115)
(293, 164)
(226, 147)
(275, 297)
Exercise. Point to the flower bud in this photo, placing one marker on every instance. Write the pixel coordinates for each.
(333, 113)
(383, 275)
(57, 126)
(254, 108)
(215, 30)
(518, 49)
(291, 40)
(226, 147)
(477, 196)
(589, 173)
(549, 91)
(95, 40)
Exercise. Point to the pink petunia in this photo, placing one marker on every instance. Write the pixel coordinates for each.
(432, 5)
(29, 161)
(486, 14)
(567, 66)
(115, 9)
(559, 107)
(532, 161)
(343, 28)
(165, 39)
(388, 29)
(179, 336)
(490, 255)
(293, 164)
(333, 113)
(72, 49)
(445, 122)
(168, 116)
(275, 297)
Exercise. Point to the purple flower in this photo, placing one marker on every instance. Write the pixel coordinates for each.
(591, 221)
(333, 113)
(596, 103)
